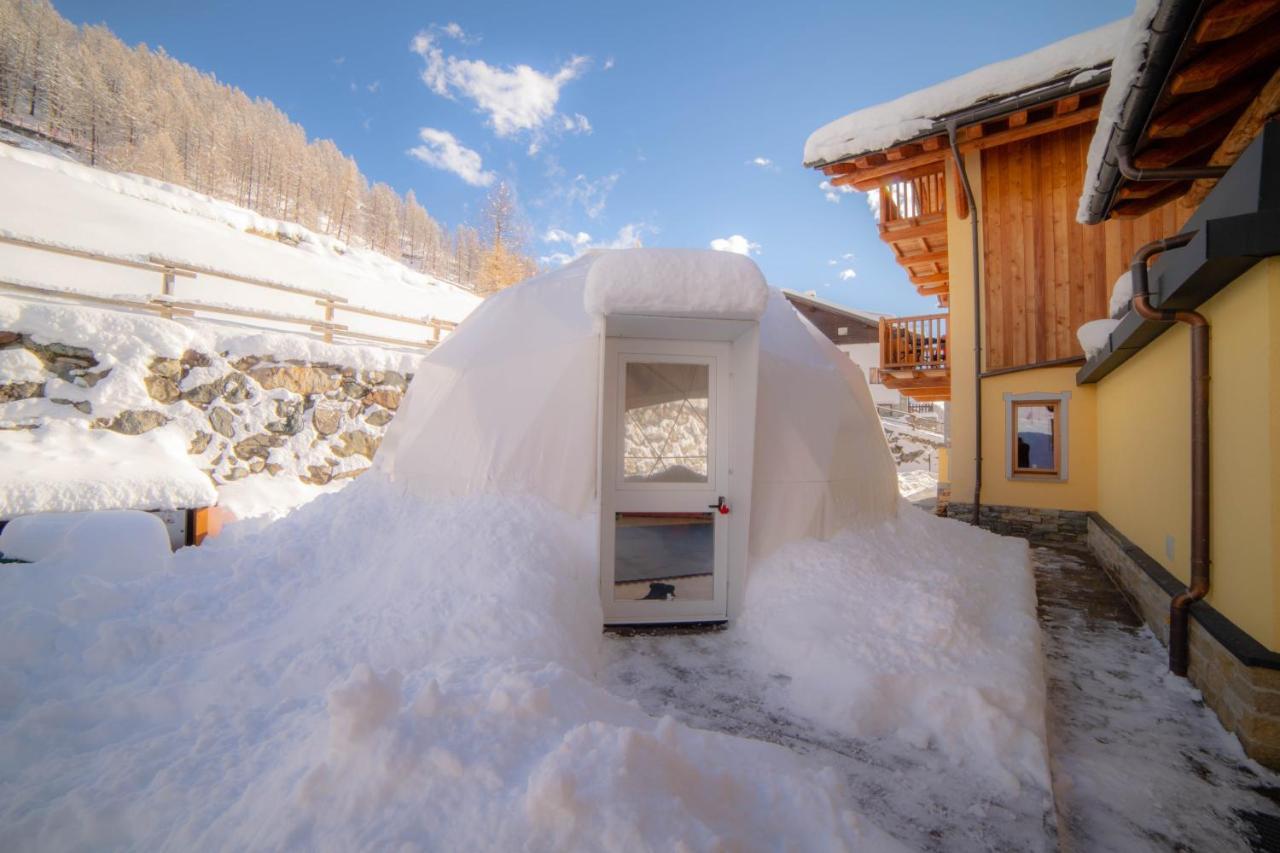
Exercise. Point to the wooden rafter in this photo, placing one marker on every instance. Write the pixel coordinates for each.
(1231, 18)
(1225, 61)
(1247, 127)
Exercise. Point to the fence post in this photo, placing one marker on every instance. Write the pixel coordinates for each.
(328, 321)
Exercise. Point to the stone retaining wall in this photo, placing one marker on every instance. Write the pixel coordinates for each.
(1239, 678)
(1057, 527)
(242, 414)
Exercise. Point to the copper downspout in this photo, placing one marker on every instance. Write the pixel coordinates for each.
(977, 323)
(1179, 608)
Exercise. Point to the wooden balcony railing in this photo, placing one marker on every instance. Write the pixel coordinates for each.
(913, 197)
(914, 343)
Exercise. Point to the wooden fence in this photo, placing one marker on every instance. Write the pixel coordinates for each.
(167, 304)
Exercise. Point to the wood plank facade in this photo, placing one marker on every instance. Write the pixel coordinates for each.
(1044, 274)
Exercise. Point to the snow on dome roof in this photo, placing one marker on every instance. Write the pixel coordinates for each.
(884, 125)
(508, 404)
(676, 282)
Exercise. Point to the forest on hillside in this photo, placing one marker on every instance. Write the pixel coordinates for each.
(140, 110)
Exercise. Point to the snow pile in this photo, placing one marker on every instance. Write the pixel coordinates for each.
(65, 203)
(917, 628)
(917, 484)
(418, 676)
(886, 124)
(1130, 58)
(69, 467)
(1095, 335)
(1121, 295)
(676, 282)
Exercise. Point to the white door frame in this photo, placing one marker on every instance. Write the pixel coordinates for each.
(616, 495)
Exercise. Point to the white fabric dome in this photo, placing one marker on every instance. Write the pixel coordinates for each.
(508, 404)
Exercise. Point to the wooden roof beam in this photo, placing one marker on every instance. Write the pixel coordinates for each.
(1194, 112)
(1004, 137)
(1244, 131)
(1232, 17)
(874, 173)
(1225, 61)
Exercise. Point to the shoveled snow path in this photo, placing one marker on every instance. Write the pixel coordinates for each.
(918, 795)
(1139, 762)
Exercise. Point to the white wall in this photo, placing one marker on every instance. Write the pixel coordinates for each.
(867, 356)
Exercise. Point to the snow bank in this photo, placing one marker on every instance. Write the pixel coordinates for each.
(917, 628)
(886, 124)
(1130, 58)
(676, 282)
(418, 675)
(64, 203)
(69, 467)
(1095, 335)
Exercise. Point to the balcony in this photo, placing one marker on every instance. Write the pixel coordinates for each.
(915, 357)
(913, 221)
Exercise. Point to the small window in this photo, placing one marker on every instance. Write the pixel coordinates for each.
(842, 330)
(1036, 437)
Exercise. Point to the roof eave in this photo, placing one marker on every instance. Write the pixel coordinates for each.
(1032, 96)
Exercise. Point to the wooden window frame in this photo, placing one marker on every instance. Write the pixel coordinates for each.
(1059, 403)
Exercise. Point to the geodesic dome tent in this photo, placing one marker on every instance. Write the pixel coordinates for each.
(550, 380)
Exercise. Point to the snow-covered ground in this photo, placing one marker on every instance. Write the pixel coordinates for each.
(60, 202)
(425, 673)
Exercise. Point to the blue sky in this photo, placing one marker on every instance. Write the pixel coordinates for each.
(680, 100)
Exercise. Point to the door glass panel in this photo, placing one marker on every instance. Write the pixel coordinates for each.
(664, 556)
(665, 432)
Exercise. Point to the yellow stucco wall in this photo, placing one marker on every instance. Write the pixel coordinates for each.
(1144, 480)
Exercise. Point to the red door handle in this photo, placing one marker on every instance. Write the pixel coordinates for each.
(720, 505)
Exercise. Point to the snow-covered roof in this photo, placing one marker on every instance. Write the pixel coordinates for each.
(1085, 56)
(1126, 69)
(872, 317)
(676, 282)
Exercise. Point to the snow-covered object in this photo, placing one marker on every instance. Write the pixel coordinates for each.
(509, 403)
(63, 203)
(128, 539)
(1121, 295)
(69, 467)
(416, 677)
(919, 628)
(676, 282)
(887, 124)
(1130, 59)
(1095, 334)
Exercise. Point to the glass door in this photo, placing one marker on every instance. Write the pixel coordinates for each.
(664, 525)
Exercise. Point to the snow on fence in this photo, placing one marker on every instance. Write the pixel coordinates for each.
(276, 304)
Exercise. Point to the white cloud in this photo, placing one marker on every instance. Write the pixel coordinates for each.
(832, 193)
(847, 273)
(338, 60)
(608, 63)
(848, 256)
(629, 236)
(762, 162)
(873, 202)
(737, 244)
(441, 150)
(454, 31)
(592, 195)
(374, 87)
(576, 123)
(516, 99)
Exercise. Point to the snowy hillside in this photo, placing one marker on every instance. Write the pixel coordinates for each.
(56, 201)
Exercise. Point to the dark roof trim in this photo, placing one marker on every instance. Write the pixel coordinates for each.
(1238, 225)
(1170, 28)
(831, 307)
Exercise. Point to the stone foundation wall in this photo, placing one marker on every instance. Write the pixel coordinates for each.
(1058, 527)
(242, 415)
(1238, 676)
